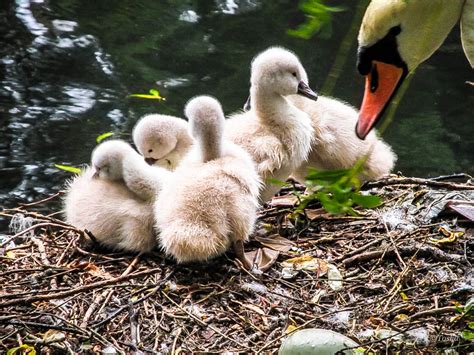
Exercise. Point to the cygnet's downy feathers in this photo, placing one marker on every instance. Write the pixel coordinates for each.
(162, 140)
(113, 199)
(274, 132)
(210, 203)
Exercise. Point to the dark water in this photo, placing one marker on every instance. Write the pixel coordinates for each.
(68, 66)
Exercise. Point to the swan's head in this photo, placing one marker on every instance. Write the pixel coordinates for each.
(206, 119)
(394, 38)
(278, 71)
(107, 159)
(156, 136)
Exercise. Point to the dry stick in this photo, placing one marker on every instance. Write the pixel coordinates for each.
(84, 288)
(432, 312)
(108, 294)
(396, 288)
(395, 249)
(200, 321)
(359, 250)
(60, 193)
(418, 181)
(97, 300)
(178, 333)
(118, 311)
(424, 251)
(44, 258)
(134, 327)
(19, 234)
(71, 242)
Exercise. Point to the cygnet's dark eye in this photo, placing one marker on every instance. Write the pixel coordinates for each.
(150, 150)
(294, 74)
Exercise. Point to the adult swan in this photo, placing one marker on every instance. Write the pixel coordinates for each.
(395, 37)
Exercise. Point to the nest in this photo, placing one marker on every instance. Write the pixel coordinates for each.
(393, 278)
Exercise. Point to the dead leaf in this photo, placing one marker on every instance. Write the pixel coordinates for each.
(313, 214)
(317, 296)
(404, 296)
(92, 269)
(262, 258)
(53, 336)
(450, 236)
(276, 242)
(464, 208)
(400, 317)
(290, 329)
(334, 278)
(307, 262)
(251, 307)
(284, 201)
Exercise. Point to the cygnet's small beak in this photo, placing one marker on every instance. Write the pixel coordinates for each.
(247, 105)
(95, 173)
(305, 90)
(151, 161)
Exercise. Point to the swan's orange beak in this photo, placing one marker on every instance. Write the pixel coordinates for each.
(380, 86)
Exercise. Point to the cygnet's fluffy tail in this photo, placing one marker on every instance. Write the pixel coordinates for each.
(206, 120)
(192, 242)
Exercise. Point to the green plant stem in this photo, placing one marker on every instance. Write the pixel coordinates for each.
(344, 49)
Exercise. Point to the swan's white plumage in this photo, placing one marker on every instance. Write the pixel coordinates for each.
(212, 199)
(467, 30)
(424, 25)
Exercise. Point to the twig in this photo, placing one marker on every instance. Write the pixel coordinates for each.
(200, 321)
(433, 312)
(424, 251)
(84, 288)
(418, 181)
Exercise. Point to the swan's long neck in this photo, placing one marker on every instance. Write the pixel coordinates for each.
(424, 25)
(210, 145)
(270, 107)
(140, 178)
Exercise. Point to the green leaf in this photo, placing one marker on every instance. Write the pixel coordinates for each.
(276, 182)
(366, 201)
(102, 136)
(70, 169)
(153, 95)
(330, 175)
(22, 349)
(467, 335)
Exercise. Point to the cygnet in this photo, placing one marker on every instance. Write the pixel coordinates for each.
(210, 204)
(163, 140)
(335, 144)
(114, 198)
(276, 133)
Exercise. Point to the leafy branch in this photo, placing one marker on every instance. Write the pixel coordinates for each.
(318, 15)
(337, 190)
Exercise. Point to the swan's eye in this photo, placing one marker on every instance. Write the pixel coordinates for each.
(294, 74)
(150, 150)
